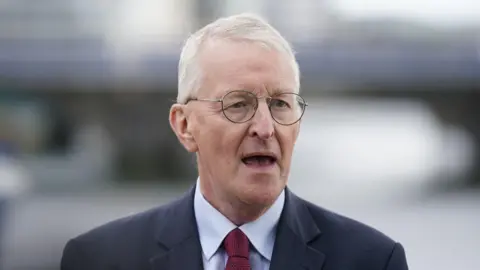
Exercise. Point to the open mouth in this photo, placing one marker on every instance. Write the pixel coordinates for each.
(259, 160)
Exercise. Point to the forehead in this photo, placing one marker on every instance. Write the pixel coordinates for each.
(228, 65)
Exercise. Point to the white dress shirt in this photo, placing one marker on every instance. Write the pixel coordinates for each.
(213, 227)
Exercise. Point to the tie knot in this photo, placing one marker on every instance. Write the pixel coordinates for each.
(236, 244)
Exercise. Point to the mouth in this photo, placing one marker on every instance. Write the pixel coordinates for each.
(259, 160)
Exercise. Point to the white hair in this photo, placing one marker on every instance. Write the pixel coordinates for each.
(243, 27)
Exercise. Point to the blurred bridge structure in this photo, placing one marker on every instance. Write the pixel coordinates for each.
(113, 63)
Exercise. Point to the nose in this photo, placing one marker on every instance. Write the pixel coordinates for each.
(262, 124)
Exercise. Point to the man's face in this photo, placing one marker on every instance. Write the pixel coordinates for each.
(221, 145)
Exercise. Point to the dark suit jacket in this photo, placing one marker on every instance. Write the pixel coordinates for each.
(166, 238)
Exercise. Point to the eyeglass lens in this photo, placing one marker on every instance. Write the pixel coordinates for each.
(285, 108)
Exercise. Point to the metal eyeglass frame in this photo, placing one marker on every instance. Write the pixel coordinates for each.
(267, 98)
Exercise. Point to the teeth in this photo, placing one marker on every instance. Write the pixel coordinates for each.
(258, 160)
(264, 161)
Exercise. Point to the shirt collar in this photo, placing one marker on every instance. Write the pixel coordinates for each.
(213, 227)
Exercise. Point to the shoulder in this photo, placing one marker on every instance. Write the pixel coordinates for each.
(138, 225)
(123, 227)
(349, 236)
(351, 244)
(133, 234)
(334, 223)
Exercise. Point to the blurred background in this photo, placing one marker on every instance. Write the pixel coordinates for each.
(391, 136)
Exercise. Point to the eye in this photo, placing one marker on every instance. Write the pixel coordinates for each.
(236, 105)
(278, 103)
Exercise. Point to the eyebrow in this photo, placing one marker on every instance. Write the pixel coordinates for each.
(282, 90)
(271, 92)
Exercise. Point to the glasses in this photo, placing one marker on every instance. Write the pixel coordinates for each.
(239, 106)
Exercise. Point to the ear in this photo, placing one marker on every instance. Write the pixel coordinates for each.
(182, 127)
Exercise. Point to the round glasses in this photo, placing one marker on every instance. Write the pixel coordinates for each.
(239, 106)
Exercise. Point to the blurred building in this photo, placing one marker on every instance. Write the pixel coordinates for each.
(93, 80)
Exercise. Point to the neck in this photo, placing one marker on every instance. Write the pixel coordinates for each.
(233, 209)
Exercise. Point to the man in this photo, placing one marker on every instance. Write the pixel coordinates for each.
(239, 110)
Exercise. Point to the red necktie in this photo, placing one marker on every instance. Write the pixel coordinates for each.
(236, 245)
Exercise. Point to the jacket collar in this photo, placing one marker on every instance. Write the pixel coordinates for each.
(179, 244)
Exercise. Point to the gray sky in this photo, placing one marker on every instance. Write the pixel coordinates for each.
(445, 13)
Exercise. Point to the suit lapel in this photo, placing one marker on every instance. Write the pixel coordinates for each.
(179, 244)
(177, 237)
(186, 255)
(295, 233)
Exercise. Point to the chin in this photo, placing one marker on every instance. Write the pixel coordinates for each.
(261, 193)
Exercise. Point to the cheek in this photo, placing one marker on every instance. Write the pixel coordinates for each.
(221, 140)
(230, 139)
(287, 139)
